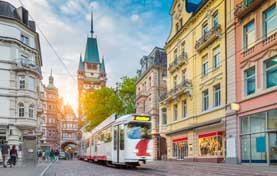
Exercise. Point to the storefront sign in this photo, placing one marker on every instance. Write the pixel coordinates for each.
(142, 118)
(210, 134)
(180, 139)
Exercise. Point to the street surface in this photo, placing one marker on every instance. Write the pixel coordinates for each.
(156, 168)
(159, 168)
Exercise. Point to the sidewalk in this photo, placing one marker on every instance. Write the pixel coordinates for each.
(24, 170)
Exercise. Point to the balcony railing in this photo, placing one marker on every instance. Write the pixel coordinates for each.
(29, 65)
(246, 6)
(180, 89)
(143, 93)
(208, 38)
(178, 62)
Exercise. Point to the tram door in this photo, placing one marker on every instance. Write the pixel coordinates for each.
(118, 144)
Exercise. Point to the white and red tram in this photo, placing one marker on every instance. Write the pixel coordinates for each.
(126, 140)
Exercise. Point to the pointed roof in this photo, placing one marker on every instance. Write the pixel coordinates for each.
(81, 65)
(92, 54)
(51, 81)
(103, 69)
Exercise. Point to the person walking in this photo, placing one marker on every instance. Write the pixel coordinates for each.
(5, 151)
(47, 154)
(13, 155)
(52, 155)
(57, 154)
(39, 155)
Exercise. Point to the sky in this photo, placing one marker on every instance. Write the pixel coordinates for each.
(126, 30)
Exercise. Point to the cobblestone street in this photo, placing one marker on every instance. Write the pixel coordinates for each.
(158, 168)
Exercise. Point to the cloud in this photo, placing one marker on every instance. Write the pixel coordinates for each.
(135, 18)
(67, 24)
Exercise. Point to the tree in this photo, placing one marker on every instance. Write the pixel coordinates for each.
(100, 104)
(126, 90)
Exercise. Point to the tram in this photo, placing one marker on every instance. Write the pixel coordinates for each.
(124, 140)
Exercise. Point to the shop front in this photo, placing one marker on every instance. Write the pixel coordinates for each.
(180, 148)
(258, 137)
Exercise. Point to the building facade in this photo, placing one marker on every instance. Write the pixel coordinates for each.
(256, 80)
(193, 111)
(69, 131)
(91, 72)
(149, 87)
(20, 70)
(54, 113)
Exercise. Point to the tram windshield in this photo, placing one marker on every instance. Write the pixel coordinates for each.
(138, 130)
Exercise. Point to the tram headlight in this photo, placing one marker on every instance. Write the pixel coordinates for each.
(136, 151)
(148, 151)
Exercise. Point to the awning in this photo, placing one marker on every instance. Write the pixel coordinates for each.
(180, 139)
(210, 134)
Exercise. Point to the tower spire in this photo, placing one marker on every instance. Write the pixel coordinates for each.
(91, 23)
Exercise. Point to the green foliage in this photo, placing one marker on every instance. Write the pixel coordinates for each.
(100, 104)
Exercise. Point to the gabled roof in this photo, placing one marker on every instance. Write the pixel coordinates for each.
(91, 54)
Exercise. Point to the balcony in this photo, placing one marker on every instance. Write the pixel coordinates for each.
(208, 38)
(143, 93)
(178, 62)
(180, 89)
(247, 6)
(25, 64)
(25, 123)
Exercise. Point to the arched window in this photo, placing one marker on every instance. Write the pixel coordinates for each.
(31, 111)
(21, 110)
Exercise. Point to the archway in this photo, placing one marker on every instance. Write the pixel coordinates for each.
(70, 149)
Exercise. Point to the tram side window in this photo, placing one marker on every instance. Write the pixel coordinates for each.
(121, 137)
(115, 138)
(108, 135)
(92, 141)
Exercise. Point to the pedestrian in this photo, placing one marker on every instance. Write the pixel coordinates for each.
(13, 156)
(52, 155)
(43, 155)
(47, 154)
(39, 154)
(5, 151)
(57, 154)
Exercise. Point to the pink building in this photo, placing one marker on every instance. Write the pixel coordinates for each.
(256, 80)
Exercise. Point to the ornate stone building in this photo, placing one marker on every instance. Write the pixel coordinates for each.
(20, 76)
(91, 72)
(149, 87)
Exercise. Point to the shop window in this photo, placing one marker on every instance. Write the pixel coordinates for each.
(245, 127)
(269, 21)
(211, 146)
(271, 72)
(250, 81)
(245, 148)
(272, 119)
(174, 149)
(258, 148)
(249, 35)
(257, 122)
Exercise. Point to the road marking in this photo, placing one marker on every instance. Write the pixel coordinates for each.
(44, 171)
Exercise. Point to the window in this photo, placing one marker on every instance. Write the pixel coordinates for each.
(164, 116)
(271, 72)
(181, 22)
(216, 52)
(31, 84)
(184, 108)
(31, 111)
(205, 95)
(121, 137)
(24, 39)
(205, 66)
(175, 112)
(138, 130)
(249, 35)
(211, 146)
(150, 82)
(205, 29)
(175, 56)
(217, 97)
(183, 49)
(272, 119)
(21, 110)
(250, 81)
(215, 19)
(183, 75)
(177, 27)
(21, 82)
(269, 20)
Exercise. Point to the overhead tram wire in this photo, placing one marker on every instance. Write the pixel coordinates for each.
(52, 47)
